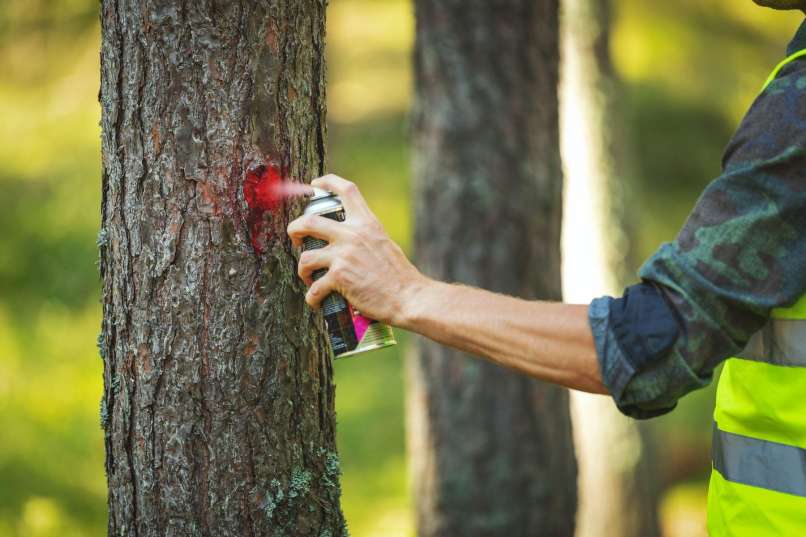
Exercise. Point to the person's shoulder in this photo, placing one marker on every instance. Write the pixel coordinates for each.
(791, 78)
(775, 124)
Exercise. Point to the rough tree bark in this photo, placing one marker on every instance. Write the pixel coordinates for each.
(491, 450)
(218, 399)
(614, 456)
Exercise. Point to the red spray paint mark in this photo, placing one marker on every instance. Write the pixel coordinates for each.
(262, 187)
(262, 192)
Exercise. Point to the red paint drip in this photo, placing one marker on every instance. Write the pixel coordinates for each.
(262, 191)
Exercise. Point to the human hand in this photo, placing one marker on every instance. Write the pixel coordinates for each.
(363, 264)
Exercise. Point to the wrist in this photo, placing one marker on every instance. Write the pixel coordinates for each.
(413, 301)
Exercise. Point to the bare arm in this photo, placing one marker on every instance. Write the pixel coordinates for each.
(548, 341)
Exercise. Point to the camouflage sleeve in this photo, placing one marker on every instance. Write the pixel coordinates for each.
(741, 253)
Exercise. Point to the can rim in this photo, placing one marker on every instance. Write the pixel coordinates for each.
(374, 346)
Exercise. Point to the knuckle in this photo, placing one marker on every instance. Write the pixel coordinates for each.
(306, 258)
(375, 226)
(349, 187)
(296, 228)
(347, 253)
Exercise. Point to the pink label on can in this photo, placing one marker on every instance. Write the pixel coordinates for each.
(360, 323)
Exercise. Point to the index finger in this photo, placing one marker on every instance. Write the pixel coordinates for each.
(350, 196)
(311, 225)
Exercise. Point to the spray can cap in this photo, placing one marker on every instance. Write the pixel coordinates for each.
(318, 194)
(322, 202)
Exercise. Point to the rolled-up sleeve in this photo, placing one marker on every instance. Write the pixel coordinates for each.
(741, 253)
(645, 380)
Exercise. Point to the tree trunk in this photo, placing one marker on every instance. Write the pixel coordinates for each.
(491, 450)
(612, 450)
(218, 399)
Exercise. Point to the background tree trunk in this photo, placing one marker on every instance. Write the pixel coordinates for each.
(491, 450)
(218, 400)
(614, 456)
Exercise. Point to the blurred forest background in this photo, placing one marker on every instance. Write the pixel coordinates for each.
(689, 70)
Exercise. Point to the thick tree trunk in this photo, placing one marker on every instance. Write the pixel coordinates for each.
(614, 456)
(492, 450)
(218, 399)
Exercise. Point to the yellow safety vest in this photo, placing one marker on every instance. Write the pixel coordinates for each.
(758, 481)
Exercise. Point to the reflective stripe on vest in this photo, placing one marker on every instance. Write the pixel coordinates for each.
(760, 463)
(781, 342)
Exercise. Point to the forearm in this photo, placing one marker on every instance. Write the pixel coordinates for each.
(548, 341)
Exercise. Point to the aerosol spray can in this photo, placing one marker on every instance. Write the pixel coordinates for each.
(350, 332)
